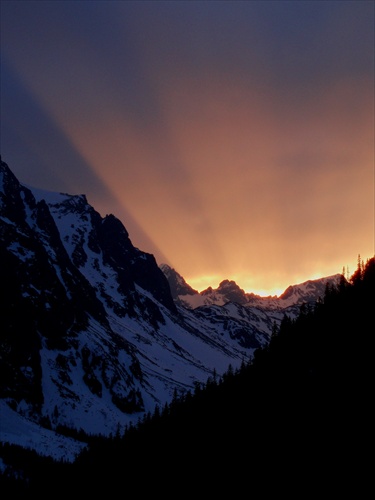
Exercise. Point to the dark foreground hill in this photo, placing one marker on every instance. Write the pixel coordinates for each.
(297, 420)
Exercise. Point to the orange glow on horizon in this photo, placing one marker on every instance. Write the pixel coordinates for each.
(271, 287)
(254, 175)
(202, 283)
(201, 203)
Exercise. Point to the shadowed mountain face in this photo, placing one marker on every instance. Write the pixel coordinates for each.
(93, 334)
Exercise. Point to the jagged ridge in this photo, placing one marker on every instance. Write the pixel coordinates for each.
(93, 333)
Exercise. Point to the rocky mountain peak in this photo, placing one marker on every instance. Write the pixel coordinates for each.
(95, 332)
(232, 292)
(177, 283)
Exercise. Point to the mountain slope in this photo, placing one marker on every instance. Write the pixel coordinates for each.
(297, 418)
(91, 336)
(231, 308)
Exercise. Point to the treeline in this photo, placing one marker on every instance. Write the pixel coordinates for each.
(295, 418)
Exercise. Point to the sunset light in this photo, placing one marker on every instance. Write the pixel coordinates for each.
(187, 220)
(234, 140)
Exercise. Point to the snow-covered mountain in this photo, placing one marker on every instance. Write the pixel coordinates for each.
(94, 334)
(228, 291)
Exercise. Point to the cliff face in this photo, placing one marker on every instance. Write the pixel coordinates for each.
(93, 334)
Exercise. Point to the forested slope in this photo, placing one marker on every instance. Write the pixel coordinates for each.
(296, 419)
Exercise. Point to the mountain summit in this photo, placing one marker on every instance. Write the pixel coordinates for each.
(228, 291)
(94, 335)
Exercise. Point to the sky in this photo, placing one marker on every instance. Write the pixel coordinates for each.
(233, 139)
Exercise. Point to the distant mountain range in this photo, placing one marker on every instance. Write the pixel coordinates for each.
(229, 291)
(94, 333)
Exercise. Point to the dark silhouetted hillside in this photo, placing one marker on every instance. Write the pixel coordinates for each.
(294, 419)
